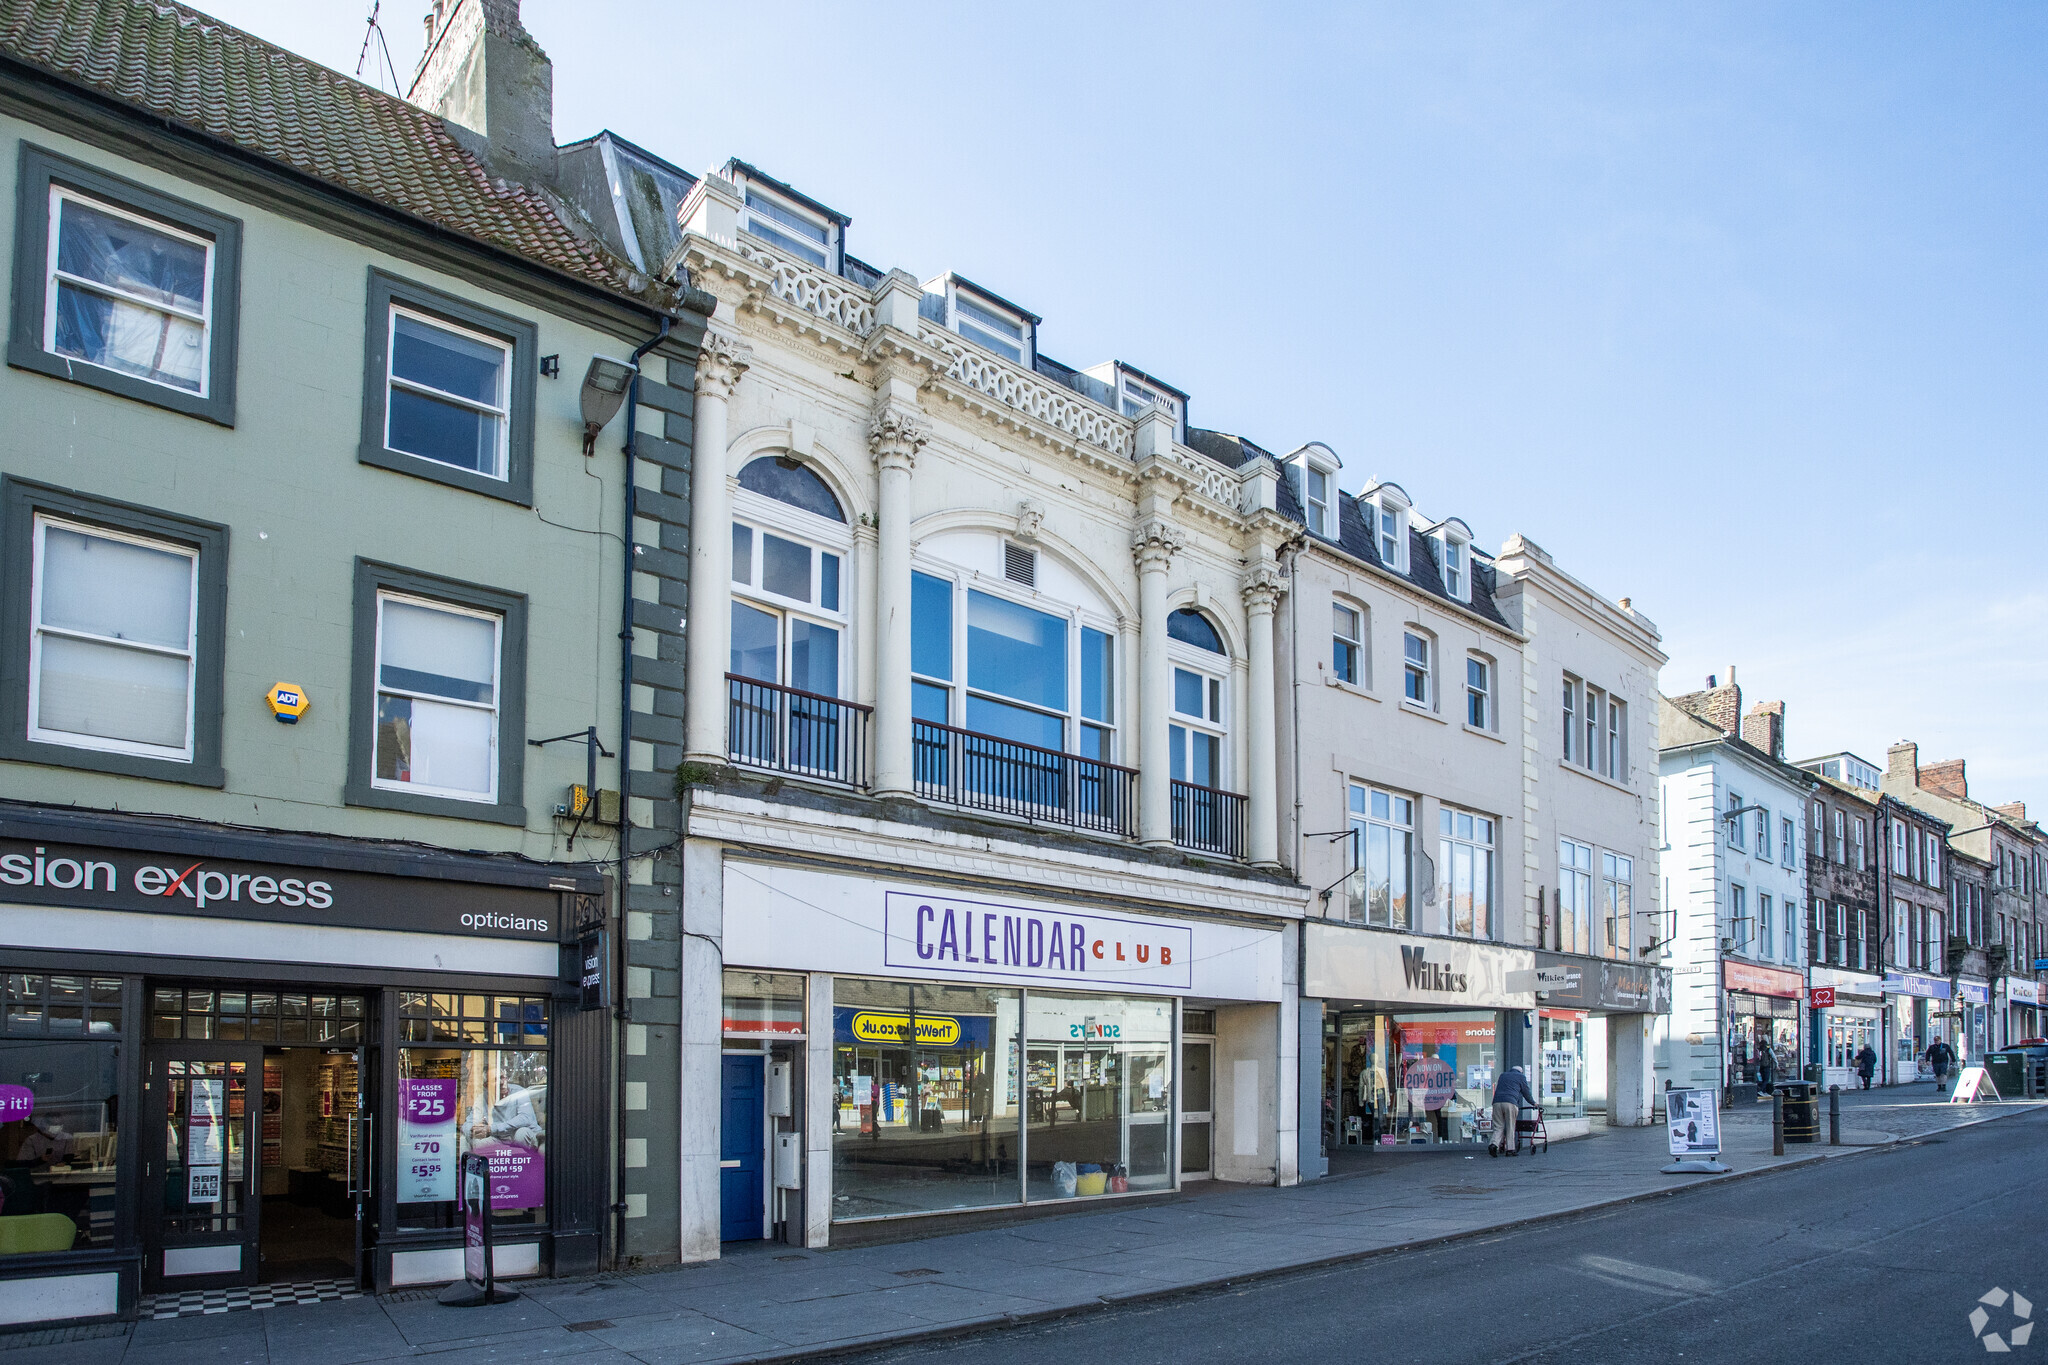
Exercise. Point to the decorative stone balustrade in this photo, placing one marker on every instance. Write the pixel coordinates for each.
(1026, 392)
(822, 295)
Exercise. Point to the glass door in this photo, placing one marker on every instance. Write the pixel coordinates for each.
(1196, 1085)
(361, 1173)
(201, 1207)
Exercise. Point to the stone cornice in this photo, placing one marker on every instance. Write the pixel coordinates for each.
(896, 848)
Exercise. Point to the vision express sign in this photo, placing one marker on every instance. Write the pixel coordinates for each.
(80, 877)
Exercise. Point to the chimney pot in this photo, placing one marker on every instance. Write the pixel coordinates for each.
(1711, 683)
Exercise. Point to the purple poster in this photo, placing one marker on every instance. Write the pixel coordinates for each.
(518, 1174)
(16, 1102)
(426, 1140)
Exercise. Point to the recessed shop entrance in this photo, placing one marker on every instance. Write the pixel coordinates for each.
(257, 1138)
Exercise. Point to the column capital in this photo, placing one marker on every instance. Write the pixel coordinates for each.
(1262, 588)
(721, 360)
(896, 432)
(1154, 543)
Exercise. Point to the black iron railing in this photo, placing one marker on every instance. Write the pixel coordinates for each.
(1209, 820)
(793, 731)
(986, 773)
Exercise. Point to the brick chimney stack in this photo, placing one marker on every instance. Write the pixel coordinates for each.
(1946, 779)
(1719, 706)
(1764, 728)
(2013, 810)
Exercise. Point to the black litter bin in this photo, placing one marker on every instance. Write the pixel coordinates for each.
(2008, 1072)
(1802, 1111)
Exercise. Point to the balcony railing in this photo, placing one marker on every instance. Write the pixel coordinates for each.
(1003, 775)
(793, 731)
(1208, 820)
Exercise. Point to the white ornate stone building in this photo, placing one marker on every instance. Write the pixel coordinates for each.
(983, 896)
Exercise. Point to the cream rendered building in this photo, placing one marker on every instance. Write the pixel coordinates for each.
(983, 895)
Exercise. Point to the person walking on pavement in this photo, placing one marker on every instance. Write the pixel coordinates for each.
(1766, 1068)
(1511, 1095)
(1866, 1064)
(1940, 1057)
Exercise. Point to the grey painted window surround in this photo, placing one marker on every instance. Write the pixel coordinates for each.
(40, 169)
(522, 336)
(20, 501)
(372, 578)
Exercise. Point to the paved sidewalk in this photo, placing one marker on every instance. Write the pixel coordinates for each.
(775, 1303)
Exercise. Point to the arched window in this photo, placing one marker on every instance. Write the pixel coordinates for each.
(786, 480)
(1190, 627)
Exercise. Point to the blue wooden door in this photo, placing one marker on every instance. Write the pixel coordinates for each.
(742, 1123)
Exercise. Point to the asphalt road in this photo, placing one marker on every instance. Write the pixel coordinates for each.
(1871, 1258)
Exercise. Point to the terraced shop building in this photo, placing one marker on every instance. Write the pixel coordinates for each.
(302, 552)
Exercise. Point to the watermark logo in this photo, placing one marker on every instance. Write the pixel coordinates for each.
(2017, 1335)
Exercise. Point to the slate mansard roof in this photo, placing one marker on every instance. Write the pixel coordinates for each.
(193, 70)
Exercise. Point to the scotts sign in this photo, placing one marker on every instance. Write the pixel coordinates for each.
(87, 878)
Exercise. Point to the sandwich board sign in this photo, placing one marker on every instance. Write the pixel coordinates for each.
(1694, 1126)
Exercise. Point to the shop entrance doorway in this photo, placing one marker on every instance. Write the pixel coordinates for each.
(742, 1181)
(257, 1142)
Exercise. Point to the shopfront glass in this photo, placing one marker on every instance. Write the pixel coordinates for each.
(1410, 1079)
(1561, 1073)
(1100, 1088)
(926, 1097)
(959, 1097)
(473, 1077)
(1849, 1034)
(1758, 1024)
(763, 1004)
(60, 1067)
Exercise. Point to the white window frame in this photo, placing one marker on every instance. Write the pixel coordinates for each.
(1214, 671)
(1739, 924)
(501, 471)
(1618, 870)
(990, 338)
(1763, 833)
(38, 632)
(1355, 641)
(53, 277)
(1388, 505)
(962, 580)
(1766, 927)
(1736, 837)
(763, 515)
(1788, 841)
(1617, 739)
(1481, 694)
(1574, 691)
(1575, 883)
(1135, 396)
(1933, 859)
(1449, 841)
(1316, 509)
(1425, 670)
(1455, 559)
(494, 706)
(1361, 823)
(777, 233)
(1862, 845)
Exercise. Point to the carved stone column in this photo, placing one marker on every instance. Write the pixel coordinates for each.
(896, 432)
(708, 651)
(1153, 545)
(1262, 589)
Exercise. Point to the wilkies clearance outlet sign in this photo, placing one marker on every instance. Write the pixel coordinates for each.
(802, 919)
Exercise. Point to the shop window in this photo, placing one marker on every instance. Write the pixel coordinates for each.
(1382, 854)
(927, 1098)
(1099, 1087)
(761, 1004)
(1561, 1081)
(1410, 1079)
(246, 1016)
(60, 1065)
(1465, 874)
(473, 1077)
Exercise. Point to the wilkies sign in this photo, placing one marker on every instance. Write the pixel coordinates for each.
(89, 878)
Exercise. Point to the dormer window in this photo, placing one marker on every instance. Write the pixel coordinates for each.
(1316, 501)
(986, 327)
(1454, 558)
(1318, 466)
(1137, 397)
(788, 228)
(1386, 508)
(774, 213)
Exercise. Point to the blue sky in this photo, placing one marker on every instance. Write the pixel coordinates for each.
(1738, 310)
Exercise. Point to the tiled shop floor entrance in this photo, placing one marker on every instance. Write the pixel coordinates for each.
(194, 1302)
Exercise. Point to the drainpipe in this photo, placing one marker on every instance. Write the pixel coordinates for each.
(619, 1010)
